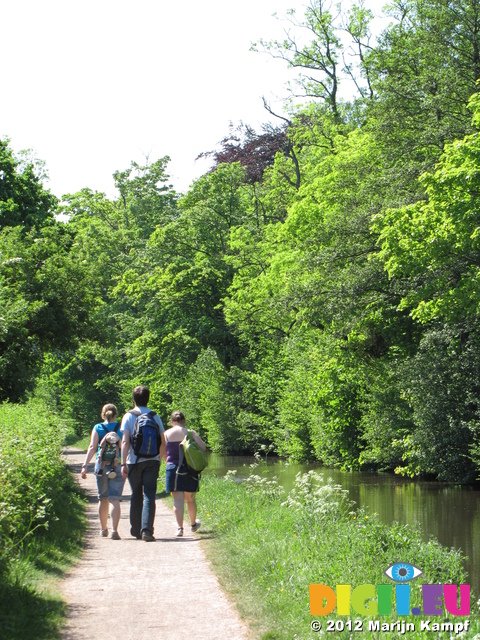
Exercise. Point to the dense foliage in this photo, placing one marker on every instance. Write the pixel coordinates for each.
(317, 290)
(41, 520)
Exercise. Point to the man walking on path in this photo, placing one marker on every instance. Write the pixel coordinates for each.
(142, 470)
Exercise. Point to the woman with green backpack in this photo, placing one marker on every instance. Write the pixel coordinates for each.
(181, 480)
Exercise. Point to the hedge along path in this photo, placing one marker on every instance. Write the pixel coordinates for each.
(137, 590)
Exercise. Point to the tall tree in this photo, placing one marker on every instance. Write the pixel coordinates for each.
(110, 243)
(319, 59)
(44, 300)
(23, 199)
(423, 71)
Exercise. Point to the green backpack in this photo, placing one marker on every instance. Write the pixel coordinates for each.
(195, 457)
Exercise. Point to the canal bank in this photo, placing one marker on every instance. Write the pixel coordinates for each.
(450, 513)
(305, 562)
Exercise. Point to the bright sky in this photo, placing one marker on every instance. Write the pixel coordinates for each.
(92, 85)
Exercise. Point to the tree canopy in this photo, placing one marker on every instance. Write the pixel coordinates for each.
(316, 291)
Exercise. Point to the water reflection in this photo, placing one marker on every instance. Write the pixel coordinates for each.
(449, 513)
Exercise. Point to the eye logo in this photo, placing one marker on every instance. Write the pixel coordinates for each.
(403, 572)
(371, 600)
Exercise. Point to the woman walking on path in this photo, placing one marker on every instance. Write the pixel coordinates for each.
(184, 484)
(109, 479)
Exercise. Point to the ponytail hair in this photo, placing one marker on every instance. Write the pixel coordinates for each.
(109, 411)
(177, 416)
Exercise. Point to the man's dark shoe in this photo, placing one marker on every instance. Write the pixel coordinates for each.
(147, 537)
(135, 534)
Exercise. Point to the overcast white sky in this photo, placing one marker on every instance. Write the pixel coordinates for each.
(93, 85)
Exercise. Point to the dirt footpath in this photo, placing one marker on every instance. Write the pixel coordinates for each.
(137, 590)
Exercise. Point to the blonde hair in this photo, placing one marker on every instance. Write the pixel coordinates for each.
(109, 411)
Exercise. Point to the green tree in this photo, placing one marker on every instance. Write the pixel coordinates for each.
(423, 71)
(44, 301)
(208, 396)
(110, 243)
(147, 199)
(321, 55)
(430, 251)
(23, 199)
(176, 292)
(435, 243)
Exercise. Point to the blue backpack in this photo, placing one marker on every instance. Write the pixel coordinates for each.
(146, 435)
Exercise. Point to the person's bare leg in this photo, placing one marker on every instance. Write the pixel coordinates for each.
(191, 506)
(115, 512)
(178, 507)
(103, 512)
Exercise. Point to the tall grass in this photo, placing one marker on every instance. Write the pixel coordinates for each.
(268, 546)
(41, 521)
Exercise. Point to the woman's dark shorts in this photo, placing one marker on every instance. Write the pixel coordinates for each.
(187, 480)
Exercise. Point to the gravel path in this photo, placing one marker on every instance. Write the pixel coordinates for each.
(136, 590)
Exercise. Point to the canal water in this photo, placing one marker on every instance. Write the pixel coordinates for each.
(448, 512)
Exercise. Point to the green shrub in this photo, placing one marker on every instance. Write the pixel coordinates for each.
(30, 465)
(42, 521)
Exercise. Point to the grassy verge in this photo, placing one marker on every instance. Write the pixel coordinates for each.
(267, 547)
(79, 442)
(42, 522)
